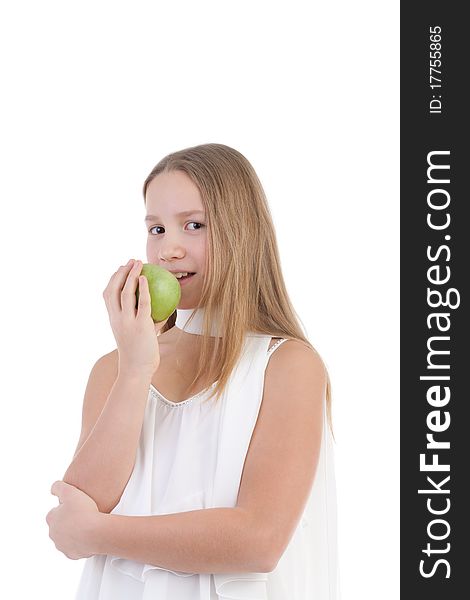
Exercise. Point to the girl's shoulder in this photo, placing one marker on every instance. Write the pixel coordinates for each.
(287, 352)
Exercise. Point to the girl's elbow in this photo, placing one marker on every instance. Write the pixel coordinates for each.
(267, 553)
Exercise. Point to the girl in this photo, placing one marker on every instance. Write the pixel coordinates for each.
(204, 468)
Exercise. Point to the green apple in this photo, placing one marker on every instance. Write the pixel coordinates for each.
(165, 291)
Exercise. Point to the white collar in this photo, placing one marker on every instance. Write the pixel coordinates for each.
(197, 322)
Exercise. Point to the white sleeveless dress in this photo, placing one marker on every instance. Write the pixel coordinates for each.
(190, 457)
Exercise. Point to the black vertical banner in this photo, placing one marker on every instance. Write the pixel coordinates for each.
(434, 262)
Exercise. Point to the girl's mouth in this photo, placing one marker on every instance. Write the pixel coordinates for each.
(186, 277)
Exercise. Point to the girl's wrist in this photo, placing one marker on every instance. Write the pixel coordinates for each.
(96, 534)
(136, 375)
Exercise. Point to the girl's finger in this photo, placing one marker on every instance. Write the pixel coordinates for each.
(144, 308)
(129, 289)
(114, 289)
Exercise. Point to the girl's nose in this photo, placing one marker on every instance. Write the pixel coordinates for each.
(170, 250)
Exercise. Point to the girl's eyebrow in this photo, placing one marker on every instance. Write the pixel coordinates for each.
(185, 213)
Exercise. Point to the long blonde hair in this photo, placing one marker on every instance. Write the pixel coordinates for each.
(244, 286)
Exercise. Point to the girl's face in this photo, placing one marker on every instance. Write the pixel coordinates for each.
(176, 241)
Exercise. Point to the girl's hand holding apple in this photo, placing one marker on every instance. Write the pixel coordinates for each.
(133, 328)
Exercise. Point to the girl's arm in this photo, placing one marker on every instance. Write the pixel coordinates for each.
(212, 540)
(113, 412)
(103, 464)
(277, 478)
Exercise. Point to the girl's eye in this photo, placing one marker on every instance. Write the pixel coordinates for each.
(194, 223)
(191, 223)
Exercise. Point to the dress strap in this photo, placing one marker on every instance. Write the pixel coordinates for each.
(276, 345)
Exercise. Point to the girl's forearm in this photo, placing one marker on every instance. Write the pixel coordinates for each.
(104, 463)
(213, 540)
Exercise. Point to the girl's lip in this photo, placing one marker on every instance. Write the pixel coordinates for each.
(185, 281)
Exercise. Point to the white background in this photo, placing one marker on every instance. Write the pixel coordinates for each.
(94, 95)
